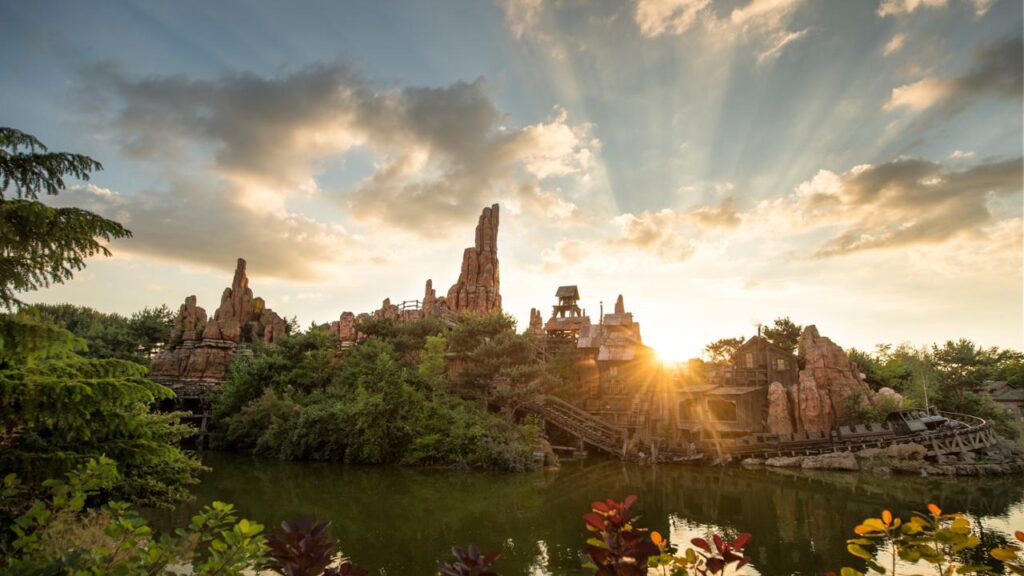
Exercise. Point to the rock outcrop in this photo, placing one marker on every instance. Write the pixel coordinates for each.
(828, 380)
(831, 461)
(479, 287)
(201, 348)
(536, 328)
(345, 327)
(190, 322)
(780, 420)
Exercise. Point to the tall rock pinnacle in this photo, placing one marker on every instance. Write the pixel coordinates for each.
(478, 288)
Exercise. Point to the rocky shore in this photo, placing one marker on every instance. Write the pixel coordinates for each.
(902, 459)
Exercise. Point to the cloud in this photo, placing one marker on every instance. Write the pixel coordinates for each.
(521, 15)
(438, 153)
(896, 7)
(673, 235)
(920, 95)
(656, 233)
(760, 21)
(895, 44)
(421, 190)
(903, 202)
(901, 7)
(657, 17)
(996, 71)
(961, 155)
(781, 42)
(564, 254)
(191, 222)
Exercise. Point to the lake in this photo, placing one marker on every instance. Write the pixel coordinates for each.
(401, 521)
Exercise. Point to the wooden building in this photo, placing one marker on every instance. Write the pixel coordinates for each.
(1009, 398)
(567, 318)
(735, 402)
(622, 381)
(758, 362)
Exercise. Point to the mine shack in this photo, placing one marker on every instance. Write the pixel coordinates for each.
(620, 380)
(735, 403)
(567, 318)
(758, 362)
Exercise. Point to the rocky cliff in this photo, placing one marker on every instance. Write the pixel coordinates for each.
(201, 348)
(818, 402)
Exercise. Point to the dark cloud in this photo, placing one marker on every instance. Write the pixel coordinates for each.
(997, 71)
(188, 222)
(905, 202)
(440, 153)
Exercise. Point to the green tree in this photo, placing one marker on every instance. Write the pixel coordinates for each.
(41, 245)
(784, 333)
(432, 362)
(721, 351)
(151, 328)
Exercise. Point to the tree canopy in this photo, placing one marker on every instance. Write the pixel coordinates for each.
(42, 245)
(784, 333)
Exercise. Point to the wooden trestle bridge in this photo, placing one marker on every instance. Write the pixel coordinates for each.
(961, 433)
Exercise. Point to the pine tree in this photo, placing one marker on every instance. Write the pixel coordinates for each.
(39, 244)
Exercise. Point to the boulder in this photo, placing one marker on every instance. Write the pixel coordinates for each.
(752, 462)
(888, 397)
(831, 461)
(868, 453)
(908, 451)
(779, 415)
(785, 461)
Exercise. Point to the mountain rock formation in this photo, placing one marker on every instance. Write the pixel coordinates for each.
(819, 401)
(201, 348)
(479, 287)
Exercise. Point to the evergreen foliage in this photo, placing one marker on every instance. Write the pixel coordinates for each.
(134, 338)
(60, 412)
(39, 244)
(784, 333)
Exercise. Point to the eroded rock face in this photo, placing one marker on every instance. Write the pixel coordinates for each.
(831, 461)
(818, 401)
(479, 287)
(835, 375)
(345, 327)
(536, 323)
(190, 322)
(780, 420)
(202, 347)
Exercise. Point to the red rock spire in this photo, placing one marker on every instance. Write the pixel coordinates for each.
(479, 285)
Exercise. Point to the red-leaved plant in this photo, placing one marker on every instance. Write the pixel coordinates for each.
(725, 553)
(617, 547)
(469, 562)
(304, 549)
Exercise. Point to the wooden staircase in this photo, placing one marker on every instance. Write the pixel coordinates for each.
(586, 427)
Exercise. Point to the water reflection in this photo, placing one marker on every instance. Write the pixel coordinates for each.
(404, 520)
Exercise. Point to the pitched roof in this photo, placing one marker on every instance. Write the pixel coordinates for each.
(567, 292)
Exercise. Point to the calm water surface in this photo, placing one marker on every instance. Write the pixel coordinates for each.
(400, 521)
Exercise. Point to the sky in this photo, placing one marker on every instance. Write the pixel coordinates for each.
(720, 163)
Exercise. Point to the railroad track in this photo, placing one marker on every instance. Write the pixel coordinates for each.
(968, 433)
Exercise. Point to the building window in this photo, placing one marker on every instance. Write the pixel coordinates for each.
(722, 410)
(780, 363)
(750, 360)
